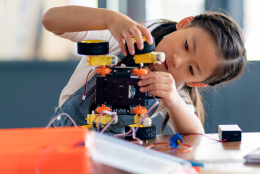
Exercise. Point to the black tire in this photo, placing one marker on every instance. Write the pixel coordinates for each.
(98, 48)
(143, 133)
(147, 48)
(117, 129)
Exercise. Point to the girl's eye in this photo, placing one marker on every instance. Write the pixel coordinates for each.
(186, 46)
(191, 70)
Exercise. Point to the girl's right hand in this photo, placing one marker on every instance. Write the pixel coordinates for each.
(124, 29)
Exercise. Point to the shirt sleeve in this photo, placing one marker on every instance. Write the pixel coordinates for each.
(86, 35)
(74, 36)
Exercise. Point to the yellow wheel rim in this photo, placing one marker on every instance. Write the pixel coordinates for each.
(92, 41)
(144, 39)
(135, 125)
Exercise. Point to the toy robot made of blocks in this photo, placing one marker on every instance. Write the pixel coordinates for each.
(116, 86)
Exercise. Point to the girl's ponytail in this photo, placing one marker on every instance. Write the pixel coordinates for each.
(195, 99)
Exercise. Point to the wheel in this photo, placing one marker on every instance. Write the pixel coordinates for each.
(93, 47)
(117, 129)
(143, 133)
(147, 48)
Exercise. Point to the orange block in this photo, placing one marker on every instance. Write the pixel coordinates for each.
(44, 151)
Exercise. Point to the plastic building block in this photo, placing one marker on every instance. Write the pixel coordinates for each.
(176, 140)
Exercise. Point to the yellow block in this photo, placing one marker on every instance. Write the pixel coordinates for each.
(136, 119)
(145, 58)
(99, 60)
(104, 118)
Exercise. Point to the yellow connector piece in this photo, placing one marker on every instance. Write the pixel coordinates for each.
(137, 118)
(87, 126)
(102, 60)
(178, 141)
(104, 118)
(152, 57)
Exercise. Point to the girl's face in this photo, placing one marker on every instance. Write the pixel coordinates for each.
(190, 55)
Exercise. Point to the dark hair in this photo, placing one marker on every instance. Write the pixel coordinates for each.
(229, 42)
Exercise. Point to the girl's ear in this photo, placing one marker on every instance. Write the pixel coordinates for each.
(195, 84)
(184, 22)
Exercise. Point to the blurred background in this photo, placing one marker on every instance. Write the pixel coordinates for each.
(35, 64)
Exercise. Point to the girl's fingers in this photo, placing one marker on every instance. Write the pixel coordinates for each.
(136, 32)
(156, 79)
(138, 36)
(146, 33)
(160, 93)
(130, 43)
(157, 73)
(148, 81)
(121, 43)
(156, 86)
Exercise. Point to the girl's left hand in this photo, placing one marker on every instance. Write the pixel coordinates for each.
(160, 84)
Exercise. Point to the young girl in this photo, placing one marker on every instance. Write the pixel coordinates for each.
(207, 49)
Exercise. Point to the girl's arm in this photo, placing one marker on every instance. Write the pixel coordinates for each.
(184, 120)
(78, 18)
(162, 84)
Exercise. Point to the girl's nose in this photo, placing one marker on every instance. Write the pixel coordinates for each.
(177, 61)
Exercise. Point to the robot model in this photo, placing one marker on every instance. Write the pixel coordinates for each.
(117, 89)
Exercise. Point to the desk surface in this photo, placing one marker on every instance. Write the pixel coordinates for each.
(226, 157)
(217, 157)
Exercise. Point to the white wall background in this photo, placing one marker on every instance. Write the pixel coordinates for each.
(22, 36)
